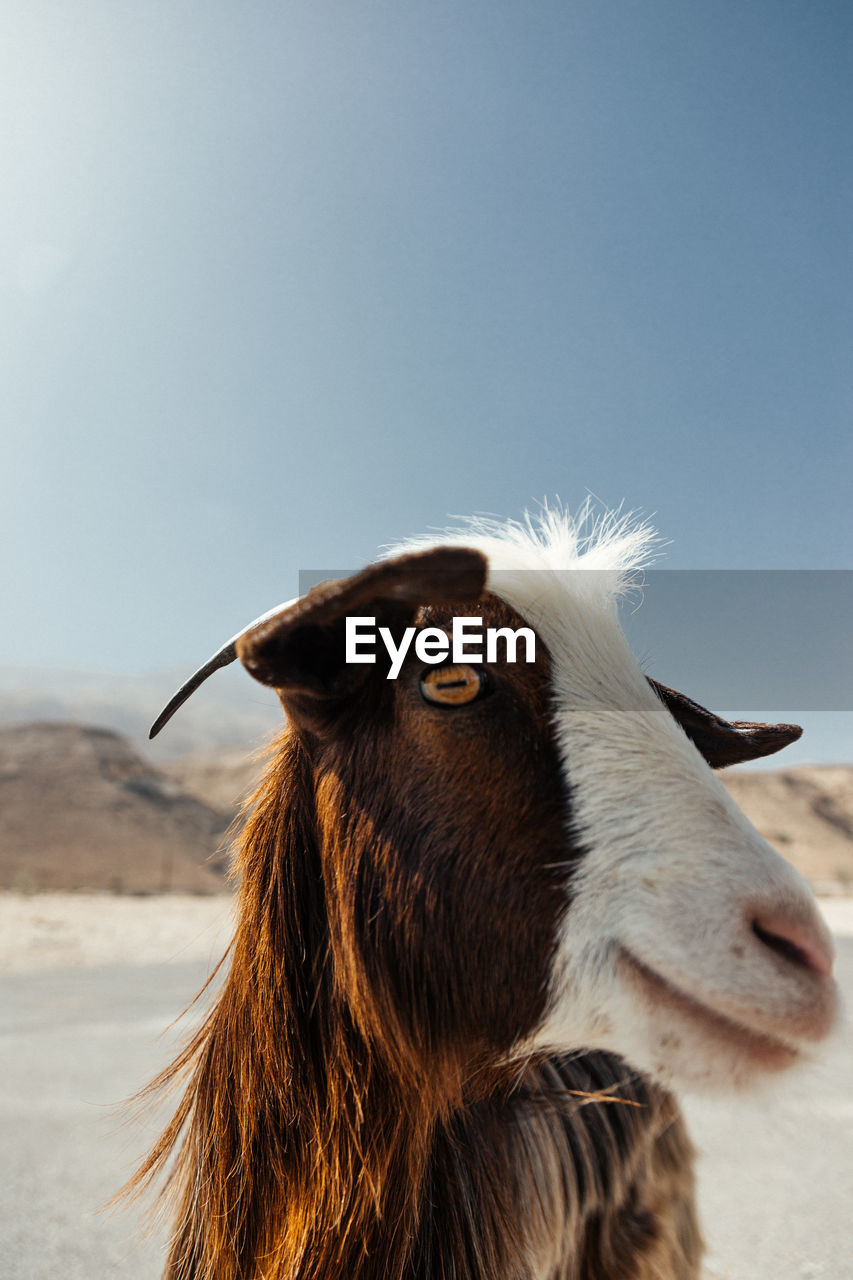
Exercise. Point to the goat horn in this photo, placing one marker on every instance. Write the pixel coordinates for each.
(222, 658)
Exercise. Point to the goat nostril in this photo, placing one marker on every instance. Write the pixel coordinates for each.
(794, 942)
(789, 950)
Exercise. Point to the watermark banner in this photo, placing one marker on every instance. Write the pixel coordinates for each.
(736, 639)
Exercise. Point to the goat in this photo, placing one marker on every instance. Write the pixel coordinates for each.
(488, 916)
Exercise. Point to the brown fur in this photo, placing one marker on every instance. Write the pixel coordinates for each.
(355, 1104)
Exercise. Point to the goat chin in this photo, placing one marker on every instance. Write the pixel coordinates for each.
(688, 1032)
(686, 1042)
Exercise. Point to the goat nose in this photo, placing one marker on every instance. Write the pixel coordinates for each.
(807, 944)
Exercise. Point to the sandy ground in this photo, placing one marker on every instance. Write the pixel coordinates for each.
(85, 930)
(61, 930)
(89, 985)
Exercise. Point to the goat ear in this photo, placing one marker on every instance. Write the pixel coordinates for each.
(300, 651)
(724, 742)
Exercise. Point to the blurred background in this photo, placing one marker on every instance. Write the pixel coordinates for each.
(282, 283)
(285, 282)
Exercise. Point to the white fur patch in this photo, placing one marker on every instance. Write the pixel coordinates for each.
(673, 873)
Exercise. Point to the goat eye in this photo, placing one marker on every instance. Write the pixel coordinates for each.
(452, 686)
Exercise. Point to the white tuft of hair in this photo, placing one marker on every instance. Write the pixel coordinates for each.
(615, 546)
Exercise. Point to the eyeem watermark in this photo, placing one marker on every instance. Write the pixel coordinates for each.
(754, 644)
(432, 645)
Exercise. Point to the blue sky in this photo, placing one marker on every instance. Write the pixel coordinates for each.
(284, 282)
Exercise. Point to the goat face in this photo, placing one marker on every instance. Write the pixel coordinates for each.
(550, 865)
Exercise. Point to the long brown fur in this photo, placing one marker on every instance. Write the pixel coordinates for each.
(356, 1105)
(304, 1150)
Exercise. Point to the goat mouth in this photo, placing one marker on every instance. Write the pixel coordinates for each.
(762, 1049)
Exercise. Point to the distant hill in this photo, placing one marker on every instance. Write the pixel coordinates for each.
(231, 712)
(221, 779)
(805, 812)
(80, 809)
